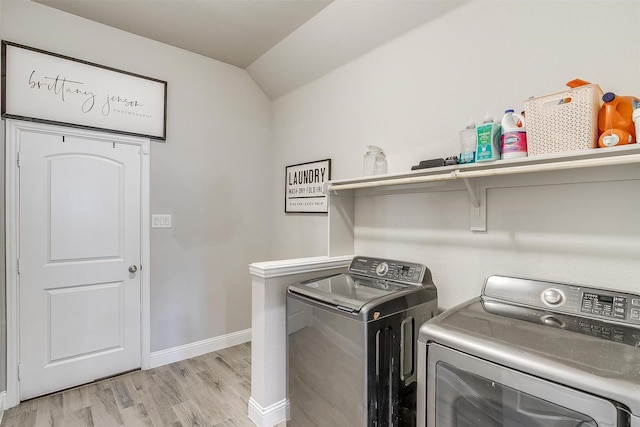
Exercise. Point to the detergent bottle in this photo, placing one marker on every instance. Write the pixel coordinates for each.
(615, 120)
(488, 140)
(514, 136)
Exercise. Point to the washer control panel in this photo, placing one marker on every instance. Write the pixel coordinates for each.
(399, 271)
(616, 306)
(565, 298)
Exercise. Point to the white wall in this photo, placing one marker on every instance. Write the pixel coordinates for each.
(412, 96)
(3, 319)
(211, 174)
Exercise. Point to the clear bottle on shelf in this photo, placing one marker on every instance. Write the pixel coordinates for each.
(468, 144)
(375, 161)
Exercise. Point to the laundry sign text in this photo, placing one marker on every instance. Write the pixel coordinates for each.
(303, 187)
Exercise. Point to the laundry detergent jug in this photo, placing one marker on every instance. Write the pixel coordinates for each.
(615, 120)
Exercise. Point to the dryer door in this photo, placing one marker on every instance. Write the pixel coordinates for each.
(466, 391)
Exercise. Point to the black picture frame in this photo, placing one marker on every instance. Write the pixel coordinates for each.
(47, 87)
(304, 185)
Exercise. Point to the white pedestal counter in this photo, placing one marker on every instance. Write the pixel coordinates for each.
(269, 280)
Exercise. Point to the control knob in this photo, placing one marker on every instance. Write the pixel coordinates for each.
(552, 296)
(382, 269)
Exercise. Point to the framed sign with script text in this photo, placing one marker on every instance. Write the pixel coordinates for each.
(51, 88)
(303, 187)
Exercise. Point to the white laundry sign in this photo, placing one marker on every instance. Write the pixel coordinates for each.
(303, 187)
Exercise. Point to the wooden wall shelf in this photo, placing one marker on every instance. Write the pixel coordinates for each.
(475, 178)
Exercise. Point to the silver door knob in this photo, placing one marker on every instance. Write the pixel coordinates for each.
(133, 269)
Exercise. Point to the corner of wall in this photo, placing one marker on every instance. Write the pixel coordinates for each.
(3, 398)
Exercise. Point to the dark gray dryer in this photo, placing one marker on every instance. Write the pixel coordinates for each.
(352, 344)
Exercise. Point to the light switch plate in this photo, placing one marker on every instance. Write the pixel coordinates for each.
(160, 221)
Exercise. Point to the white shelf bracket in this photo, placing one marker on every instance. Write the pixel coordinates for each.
(477, 204)
(473, 192)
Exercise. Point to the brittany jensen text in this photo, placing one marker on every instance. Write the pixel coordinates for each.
(62, 88)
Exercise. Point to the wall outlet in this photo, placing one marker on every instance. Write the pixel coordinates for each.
(160, 221)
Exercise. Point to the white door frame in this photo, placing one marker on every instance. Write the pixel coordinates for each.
(12, 136)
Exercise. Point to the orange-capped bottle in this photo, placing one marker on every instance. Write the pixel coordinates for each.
(615, 121)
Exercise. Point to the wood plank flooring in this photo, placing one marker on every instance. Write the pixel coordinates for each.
(209, 390)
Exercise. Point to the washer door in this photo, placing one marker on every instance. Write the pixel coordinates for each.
(463, 390)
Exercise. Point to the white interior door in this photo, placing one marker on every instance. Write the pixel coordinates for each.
(79, 247)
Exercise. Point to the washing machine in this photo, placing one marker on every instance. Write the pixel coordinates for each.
(352, 344)
(532, 353)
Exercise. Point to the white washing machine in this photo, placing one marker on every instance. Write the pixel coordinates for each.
(531, 353)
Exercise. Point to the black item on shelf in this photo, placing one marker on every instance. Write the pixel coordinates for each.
(453, 160)
(432, 163)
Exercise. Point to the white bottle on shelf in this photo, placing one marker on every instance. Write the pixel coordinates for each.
(514, 136)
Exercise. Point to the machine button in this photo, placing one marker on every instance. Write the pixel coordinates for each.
(635, 314)
(635, 301)
(552, 296)
(382, 269)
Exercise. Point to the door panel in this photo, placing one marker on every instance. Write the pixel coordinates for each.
(79, 233)
(77, 312)
(86, 204)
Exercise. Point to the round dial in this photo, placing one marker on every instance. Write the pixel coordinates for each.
(552, 296)
(382, 269)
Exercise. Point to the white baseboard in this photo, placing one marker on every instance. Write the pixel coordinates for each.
(3, 403)
(176, 354)
(269, 416)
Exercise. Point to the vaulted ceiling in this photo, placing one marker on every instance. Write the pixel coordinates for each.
(283, 44)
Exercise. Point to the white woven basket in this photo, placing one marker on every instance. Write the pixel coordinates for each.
(564, 121)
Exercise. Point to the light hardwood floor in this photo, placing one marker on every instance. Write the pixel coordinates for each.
(209, 390)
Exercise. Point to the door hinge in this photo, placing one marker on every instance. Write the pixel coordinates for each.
(18, 265)
(18, 159)
(19, 371)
